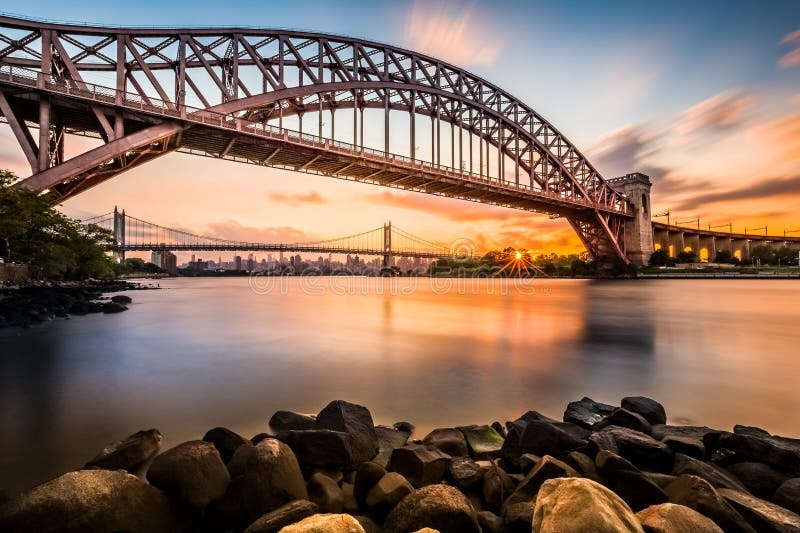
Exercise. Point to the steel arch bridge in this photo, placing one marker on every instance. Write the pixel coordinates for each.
(246, 94)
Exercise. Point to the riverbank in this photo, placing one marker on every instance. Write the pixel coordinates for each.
(600, 468)
(30, 304)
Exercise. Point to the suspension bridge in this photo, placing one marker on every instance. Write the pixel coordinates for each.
(133, 234)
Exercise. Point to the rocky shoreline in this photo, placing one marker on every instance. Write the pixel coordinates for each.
(33, 304)
(600, 468)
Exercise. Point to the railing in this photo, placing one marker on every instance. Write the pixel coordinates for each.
(107, 95)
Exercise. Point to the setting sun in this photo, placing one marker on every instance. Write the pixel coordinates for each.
(519, 255)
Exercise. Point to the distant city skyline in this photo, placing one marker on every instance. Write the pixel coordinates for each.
(703, 98)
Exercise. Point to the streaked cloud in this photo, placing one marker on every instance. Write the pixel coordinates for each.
(783, 134)
(763, 188)
(452, 31)
(230, 229)
(791, 59)
(312, 197)
(721, 112)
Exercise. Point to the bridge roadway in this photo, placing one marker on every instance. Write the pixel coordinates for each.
(676, 239)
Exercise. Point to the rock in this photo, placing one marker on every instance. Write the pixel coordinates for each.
(762, 515)
(640, 449)
(448, 440)
(661, 431)
(497, 486)
(259, 437)
(587, 412)
(778, 453)
(465, 472)
(130, 453)
(320, 447)
(225, 441)
(350, 505)
(671, 518)
(92, 501)
(291, 421)
(489, 522)
(284, 515)
(419, 464)
(113, 307)
(528, 460)
(760, 479)
(788, 495)
(121, 299)
(686, 445)
(387, 493)
(750, 430)
(483, 441)
(367, 475)
(651, 410)
(325, 523)
(405, 427)
(227, 512)
(580, 504)
(543, 438)
(625, 419)
(698, 494)
(629, 482)
(662, 480)
(325, 493)
(272, 477)
(436, 506)
(499, 428)
(718, 477)
(583, 464)
(510, 451)
(388, 440)
(517, 509)
(356, 421)
(193, 471)
(369, 525)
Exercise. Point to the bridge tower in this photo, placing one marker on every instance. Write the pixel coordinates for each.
(639, 229)
(119, 235)
(387, 245)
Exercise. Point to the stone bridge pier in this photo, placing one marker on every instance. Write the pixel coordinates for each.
(639, 229)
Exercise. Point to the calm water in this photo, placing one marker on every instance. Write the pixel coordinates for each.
(208, 352)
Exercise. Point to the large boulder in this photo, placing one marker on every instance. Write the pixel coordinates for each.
(325, 493)
(661, 431)
(497, 486)
(325, 523)
(651, 410)
(698, 494)
(580, 504)
(718, 477)
(686, 445)
(272, 477)
(762, 515)
(483, 441)
(781, 454)
(356, 421)
(387, 493)
(290, 421)
(388, 440)
(440, 507)
(419, 464)
(760, 479)
(449, 440)
(320, 447)
(465, 472)
(192, 471)
(640, 449)
(625, 419)
(517, 510)
(671, 518)
(544, 438)
(130, 453)
(225, 441)
(587, 412)
(628, 481)
(367, 475)
(788, 495)
(284, 515)
(88, 501)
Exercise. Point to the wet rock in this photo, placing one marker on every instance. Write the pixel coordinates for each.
(387, 493)
(113, 307)
(587, 412)
(405, 427)
(369, 525)
(320, 447)
(465, 472)
(580, 504)
(291, 421)
(325, 523)
(284, 515)
(760, 479)
(350, 505)
(225, 441)
(527, 461)
(583, 464)
(661, 431)
(788, 495)
(272, 477)
(511, 451)
(751, 430)
(483, 441)
(671, 518)
(517, 510)
(499, 428)
(367, 475)
(662, 480)
(718, 477)
(436, 506)
(92, 501)
(121, 299)
(227, 511)
(778, 453)
(761, 514)
(686, 445)
(625, 419)
(497, 486)
(259, 437)
(448, 440)
(325, 493)
(356, 421)
(419, 464)
(629, 482)
(130, 453)
(642, 450)
(651, 410)
(388, 440)
(696, 493)
(193, 471)
(543, 438)
(489, 522)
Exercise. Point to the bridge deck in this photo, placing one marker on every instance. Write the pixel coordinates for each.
(660, 226)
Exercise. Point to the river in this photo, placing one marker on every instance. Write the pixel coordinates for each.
(206, 352)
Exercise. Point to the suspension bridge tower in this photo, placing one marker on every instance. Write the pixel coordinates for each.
(639, 229)
(119, 235)
(387, 245)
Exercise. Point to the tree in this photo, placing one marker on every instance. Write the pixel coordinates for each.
(659, 258)
(764, 254)
(724, 256)
(687, 257)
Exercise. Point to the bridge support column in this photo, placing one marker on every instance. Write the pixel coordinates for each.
(639, 229)
(709, 244)
(388, 262)
(119, 235)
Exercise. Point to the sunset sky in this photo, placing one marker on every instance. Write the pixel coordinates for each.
(703, 98)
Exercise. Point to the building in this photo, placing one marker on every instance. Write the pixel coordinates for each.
(165, 260)
(251, 263)
(237, 263)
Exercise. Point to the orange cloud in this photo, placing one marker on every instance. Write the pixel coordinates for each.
(721, 112)
(784, 134)
(451, 31)
(792, 59)
(233, 230)
(312, 197)
(451, 209)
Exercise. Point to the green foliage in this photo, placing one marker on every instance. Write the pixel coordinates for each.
(724, 256)
(661, 258)
(52, 245)
(687, 257)
(134, 265)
